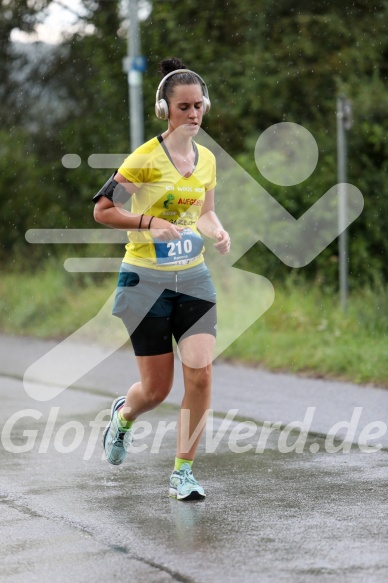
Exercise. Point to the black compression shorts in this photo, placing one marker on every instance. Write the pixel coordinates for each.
(157, 307)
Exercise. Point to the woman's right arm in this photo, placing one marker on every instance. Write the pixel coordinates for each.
(114, 215)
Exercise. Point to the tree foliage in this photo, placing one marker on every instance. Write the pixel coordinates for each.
(267, 62)
(24, 15)
(263, 62)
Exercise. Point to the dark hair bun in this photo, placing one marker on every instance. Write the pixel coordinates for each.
(169, 65)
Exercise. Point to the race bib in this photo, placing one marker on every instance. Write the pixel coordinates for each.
(179, 251)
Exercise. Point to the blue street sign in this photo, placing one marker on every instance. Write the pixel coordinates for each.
(138, 64)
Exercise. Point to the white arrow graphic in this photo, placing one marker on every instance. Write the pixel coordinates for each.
(250, 214)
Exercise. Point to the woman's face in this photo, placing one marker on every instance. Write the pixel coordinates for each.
(186, 108)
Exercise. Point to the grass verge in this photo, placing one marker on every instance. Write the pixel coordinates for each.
(304, 332)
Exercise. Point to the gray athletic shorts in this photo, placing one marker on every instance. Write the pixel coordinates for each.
(157, 306)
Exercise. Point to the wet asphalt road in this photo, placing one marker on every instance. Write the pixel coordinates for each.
(67, 515)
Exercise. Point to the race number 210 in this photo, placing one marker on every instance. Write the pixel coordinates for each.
(176, 248)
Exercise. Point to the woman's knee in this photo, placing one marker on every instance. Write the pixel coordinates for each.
(198, 379)
(156, 374)
(156, 394)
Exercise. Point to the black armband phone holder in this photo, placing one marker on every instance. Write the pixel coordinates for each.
(112, 190)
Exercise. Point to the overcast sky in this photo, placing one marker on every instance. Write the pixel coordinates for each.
(57, 21)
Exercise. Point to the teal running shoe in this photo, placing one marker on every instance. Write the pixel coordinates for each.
(116, 441)
(183, 485)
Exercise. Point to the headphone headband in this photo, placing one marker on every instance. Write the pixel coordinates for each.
(206, 93)
(161, 107)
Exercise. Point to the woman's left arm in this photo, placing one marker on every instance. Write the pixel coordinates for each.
(210, 225)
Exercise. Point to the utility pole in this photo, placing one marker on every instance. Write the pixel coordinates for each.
(344, 123)
(135, 65)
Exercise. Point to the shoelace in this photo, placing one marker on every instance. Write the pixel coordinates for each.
(188, 475)
(119, 439)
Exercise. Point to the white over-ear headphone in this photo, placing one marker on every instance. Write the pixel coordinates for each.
(161, 107)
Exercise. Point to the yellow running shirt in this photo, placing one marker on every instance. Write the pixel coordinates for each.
(166, 194)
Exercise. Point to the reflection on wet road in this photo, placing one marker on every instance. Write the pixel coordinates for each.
(268, 516)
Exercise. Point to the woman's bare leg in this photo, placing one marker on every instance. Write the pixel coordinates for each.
(196, 353)
(156, 378)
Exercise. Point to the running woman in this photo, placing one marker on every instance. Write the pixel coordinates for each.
(164, 289)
